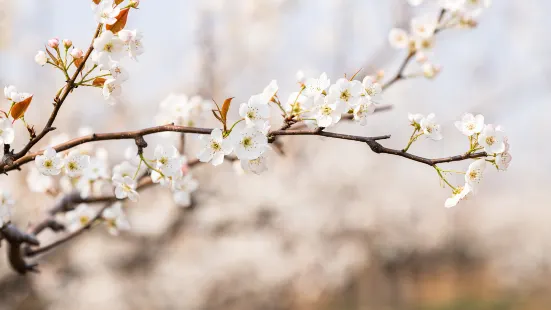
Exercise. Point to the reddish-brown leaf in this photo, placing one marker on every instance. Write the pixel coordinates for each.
(78, 61)
(117, 2)
(217, 116)
(120, 23)
(99, 81)
(54, 59)
(96, 1)
(18, 110)
(225, 109)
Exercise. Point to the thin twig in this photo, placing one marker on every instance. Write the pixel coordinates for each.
(34, 252)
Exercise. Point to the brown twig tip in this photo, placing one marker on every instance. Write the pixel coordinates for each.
(140, 143)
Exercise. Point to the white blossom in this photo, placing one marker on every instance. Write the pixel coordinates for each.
(124, 169)
(183, 188)
(270, 91)
(430, 128)
(457, 196)
(118, 73)
(49, 163)
(314, 87)
(18, 97)
(249, 143)
(364, 108)
(398, 38)
(81, 216)
(125, 187)
(346, 91)
(107, 47)
(415, 119)
(492, 140)
(115, 218)
(168, 161)
(470, 124)
(9, 92)
(75, 163)
(504, 159)
(256, 111)
(372, 88)
(133, 42)
(327, 110)
(423, 26)
(97, 169)
(183, 111)
(6, 205)
(112, 91)
(41, 58)
(106, 13)
(474, 174)
(7, 134)
(256, 166)
(214, 147)
(37, 182)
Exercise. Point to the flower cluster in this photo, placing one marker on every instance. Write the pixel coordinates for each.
(482, 137)
(179, 109)
(110, 47)
(168, 168)
(419, 41)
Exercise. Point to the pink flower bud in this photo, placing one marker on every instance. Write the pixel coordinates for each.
(77, 53)
(134, 3)
(53, 43)
(67, 43)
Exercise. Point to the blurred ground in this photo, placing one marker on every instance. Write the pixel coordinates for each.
(331, 225)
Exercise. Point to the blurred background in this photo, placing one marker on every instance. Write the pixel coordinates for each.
(330, 225)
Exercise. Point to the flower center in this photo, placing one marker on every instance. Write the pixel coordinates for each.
(490, 140)
(247, 142)
(163, 160)
(426, 44)
(72, 166)
(48, 163)
(215, 146)
(430, 128)
(326, 110)
(470, 126)
(84, 220)
(251, 115)
(345, 95)
(108, 47)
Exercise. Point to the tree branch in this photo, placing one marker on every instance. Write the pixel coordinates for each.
(58, 101)
(31, 252)
(400, 74)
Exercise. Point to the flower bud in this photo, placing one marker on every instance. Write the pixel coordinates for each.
(77, 53)
(430, 71)
(134, 3)
(67, 43)
(41, 58)
(300, 77)
(53, 43)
